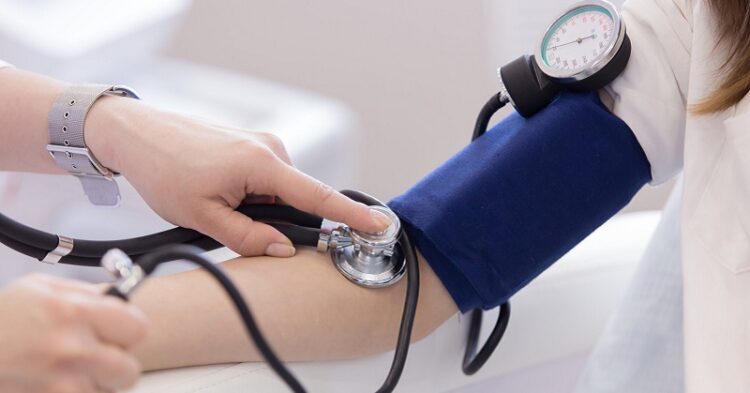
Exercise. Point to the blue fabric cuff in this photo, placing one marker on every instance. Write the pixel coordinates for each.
(511, 203)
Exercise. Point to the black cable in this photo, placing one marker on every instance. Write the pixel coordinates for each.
(406, 247)
(27, 235)
(85, 261)
(151, 261)
(94, 248)
(38, 244)
(206, 243)
(283, 213)
(407, 318)
(39, 254)
(474, 360)
(302, 236)
(298, 235)
(22, 247)
(136, 245)
(483, 119)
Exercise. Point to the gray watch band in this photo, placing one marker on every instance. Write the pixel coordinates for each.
(67, 144)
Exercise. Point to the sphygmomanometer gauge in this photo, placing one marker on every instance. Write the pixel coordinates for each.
(583, 49)
(586, 47)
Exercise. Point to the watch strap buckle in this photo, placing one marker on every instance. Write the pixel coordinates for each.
(101, 191)
(97, 180)
(78, 161)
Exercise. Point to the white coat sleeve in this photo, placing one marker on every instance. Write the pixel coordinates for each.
(4, 64)
(651, 94)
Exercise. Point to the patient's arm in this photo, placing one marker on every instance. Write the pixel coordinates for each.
(305, 307)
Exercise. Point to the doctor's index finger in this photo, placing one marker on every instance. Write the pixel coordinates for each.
(313, 196)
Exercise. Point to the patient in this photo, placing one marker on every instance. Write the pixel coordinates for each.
(486, 223)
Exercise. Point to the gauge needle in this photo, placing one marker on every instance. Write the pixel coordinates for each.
(578, 40)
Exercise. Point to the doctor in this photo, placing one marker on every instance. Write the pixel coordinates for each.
(61, 336)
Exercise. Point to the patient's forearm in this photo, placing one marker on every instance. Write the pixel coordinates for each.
(305, 308)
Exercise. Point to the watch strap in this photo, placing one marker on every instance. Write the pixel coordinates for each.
(67, 143)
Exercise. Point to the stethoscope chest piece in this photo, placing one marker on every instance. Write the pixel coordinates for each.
(367, 259)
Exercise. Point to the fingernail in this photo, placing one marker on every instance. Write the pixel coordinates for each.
(381, 219)
(280, 250)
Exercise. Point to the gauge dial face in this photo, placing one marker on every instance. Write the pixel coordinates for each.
(578, 39)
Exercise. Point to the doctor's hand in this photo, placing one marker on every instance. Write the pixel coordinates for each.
(62, 336)
(195, 174)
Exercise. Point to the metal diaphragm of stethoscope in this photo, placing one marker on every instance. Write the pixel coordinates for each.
(584, 49)
(368, 259)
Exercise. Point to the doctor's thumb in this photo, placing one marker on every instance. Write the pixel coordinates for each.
(244, 236)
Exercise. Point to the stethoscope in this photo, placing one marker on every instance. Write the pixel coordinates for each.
(584, 49)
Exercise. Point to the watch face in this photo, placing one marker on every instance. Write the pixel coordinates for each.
(579, 40)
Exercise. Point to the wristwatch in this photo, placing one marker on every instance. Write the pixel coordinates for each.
(67, 144)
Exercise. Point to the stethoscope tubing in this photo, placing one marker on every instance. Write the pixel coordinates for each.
(300, 227)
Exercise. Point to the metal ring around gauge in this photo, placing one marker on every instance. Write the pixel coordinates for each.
(610, 52)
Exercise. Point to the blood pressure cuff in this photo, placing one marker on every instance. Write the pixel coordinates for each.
(511, 203)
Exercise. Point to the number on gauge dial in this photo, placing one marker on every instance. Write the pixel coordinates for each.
(579, 40)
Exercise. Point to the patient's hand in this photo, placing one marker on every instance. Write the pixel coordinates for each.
(305, 307)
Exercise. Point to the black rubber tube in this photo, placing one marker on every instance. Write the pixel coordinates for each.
(302, 236)
(151, 261)
(283, 213)
(38, 244)
(22, 247)
(297, 234)
(30, 236)
(136, 245)
(407, 319)
(483, 119)
(473, 361)
(206, 243)
(403, 342)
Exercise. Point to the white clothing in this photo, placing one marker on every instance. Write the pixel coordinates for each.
(674, 64)
(641, 349)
